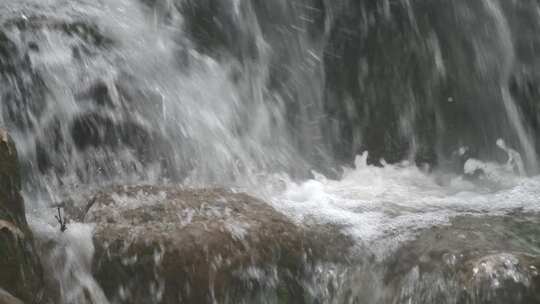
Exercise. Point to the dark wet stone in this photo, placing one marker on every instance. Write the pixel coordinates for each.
(93, 130)
(21, 273)
(403, 77)
(33, 46)
(23, 89)
(10, 179)
(213, 27)
(7, 51)
(49, 147)
(88, 32)
(98, 93)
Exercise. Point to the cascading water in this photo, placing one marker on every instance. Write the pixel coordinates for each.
(261, 95)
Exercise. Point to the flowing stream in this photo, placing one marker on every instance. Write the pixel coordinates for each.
(381, 117)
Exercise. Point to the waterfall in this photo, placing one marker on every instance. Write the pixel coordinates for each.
(347, 112)
(219, 93)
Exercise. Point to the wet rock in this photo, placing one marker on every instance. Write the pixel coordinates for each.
(7, 51)
(502, 278)
(439, 92)
(10, 180)
(486, 260)
(99, 93)
(171, 245)
(96, 131)
(6, 298)
(88, 32)
(21, 85)
(215, 28)
(93, 130)
(21, 274)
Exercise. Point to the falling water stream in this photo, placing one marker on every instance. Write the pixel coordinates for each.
(380, 117)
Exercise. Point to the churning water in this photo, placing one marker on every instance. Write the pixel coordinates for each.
(386, 206)
(261, 95)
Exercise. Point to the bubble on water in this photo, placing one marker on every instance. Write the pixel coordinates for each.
(386, 205)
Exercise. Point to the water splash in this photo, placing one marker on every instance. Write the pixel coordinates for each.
(67, 260)
(385, 206)
(127, 91)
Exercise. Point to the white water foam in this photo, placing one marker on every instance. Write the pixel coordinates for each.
(383, 206)
(67, 260)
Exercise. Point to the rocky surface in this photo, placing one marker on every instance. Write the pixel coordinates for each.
(491, 259)
(6, 298)
(21, 274)
(159, 244)
(166, 244)
(172, 245)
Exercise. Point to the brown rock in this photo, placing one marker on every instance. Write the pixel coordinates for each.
(483, 259)
(6, 298)
(172, 245)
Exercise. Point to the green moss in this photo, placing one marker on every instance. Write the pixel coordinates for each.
(283, 295)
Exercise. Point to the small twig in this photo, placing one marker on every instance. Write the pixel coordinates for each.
(88, 206)
(61, 220)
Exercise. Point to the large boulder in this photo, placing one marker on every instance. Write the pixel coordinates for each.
(487, 260)
(21, 274)
(172, 245)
